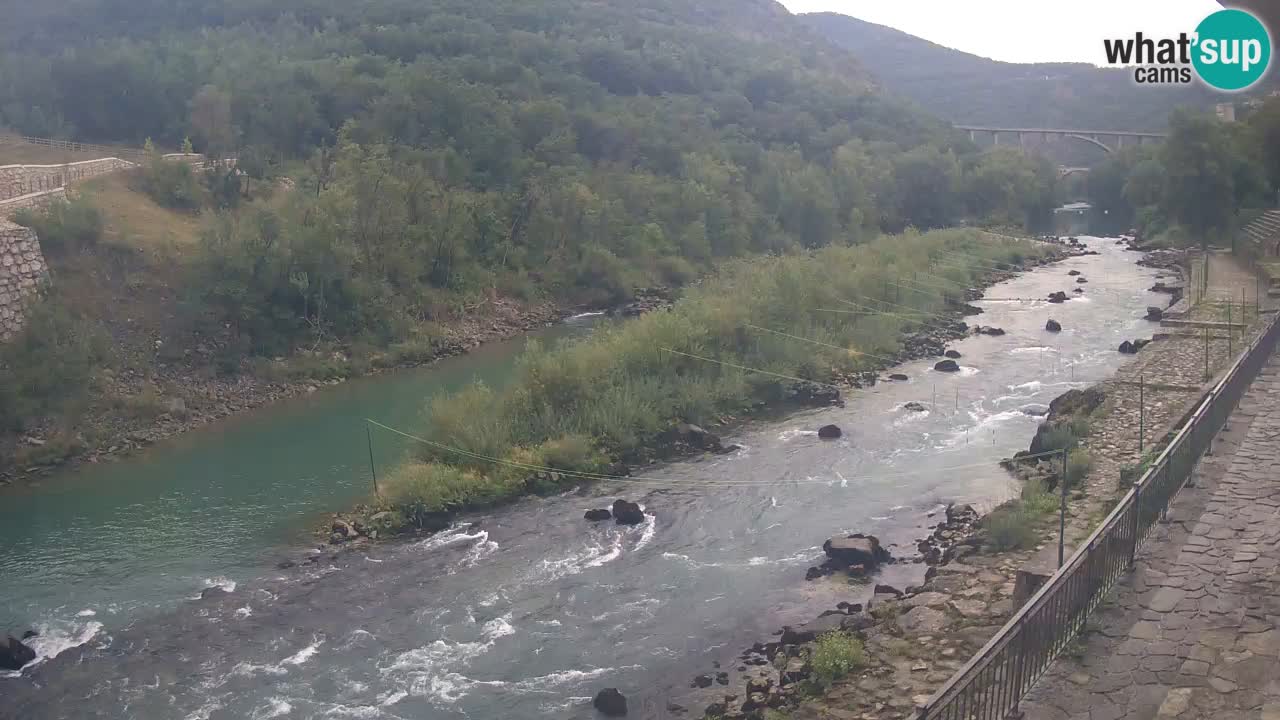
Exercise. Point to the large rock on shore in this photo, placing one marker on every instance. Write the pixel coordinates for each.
(627, 513)
(610, 702)
(1062, 410)
(814, 394)
(14, 654)
(857, 549)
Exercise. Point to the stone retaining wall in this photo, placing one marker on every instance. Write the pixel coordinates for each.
(22, 271)
(20, 180)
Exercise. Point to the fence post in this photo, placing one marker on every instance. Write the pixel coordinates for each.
(1137, 520)
(1206, 354)
(1062, 512)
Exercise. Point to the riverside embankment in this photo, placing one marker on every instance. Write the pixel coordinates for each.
(531, 611)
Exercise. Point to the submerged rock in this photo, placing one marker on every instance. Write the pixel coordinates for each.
(610, 702)
(597, 515)
(1053, 326)
(830, 432)
(947, 366)
(14, 654)
(627, 513)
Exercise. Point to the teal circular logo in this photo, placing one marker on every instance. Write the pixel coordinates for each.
(1232, 51)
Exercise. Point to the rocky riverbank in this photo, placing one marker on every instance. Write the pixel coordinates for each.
(914, 640)
(130, 413)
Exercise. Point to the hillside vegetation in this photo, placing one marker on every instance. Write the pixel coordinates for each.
(403, 163)
(971, 90)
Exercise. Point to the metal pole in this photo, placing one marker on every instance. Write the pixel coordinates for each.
(1142, 415)
(372, 469)
(1062, 513)
(1206, 354)
(1230, 333)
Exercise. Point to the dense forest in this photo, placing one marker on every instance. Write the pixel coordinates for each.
(450, 148)
(972, 90)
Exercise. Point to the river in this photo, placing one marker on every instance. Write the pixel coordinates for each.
(530, 612)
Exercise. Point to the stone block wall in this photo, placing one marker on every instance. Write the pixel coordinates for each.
(20, 180)
(22, 271)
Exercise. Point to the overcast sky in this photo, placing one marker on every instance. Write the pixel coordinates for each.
(1023, 30)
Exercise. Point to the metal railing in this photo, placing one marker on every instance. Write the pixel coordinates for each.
(993, 682)
(114, 150)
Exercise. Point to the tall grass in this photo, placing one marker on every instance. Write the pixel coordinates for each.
(623, 386)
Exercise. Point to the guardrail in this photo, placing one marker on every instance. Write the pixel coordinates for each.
(990, 686)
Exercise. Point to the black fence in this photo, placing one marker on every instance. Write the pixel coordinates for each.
(995, 680)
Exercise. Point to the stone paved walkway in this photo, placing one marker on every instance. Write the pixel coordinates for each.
(1194, 631)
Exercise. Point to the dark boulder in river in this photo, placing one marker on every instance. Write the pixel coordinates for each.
(213, 593)
(830, 432)
(13, 654)
(610, 703)
(1058, 297)
(627, 513)
(856, 549)
(992, 331)
(914, 407)
(899, 377)
(1081, 280)
(953, 354)
(1154, 313)
(947, 366)
(1073, 272)
(1053, 326)
(598, 515)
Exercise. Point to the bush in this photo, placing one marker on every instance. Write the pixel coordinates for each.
(1011, 527)
(675, 271)
(835, 655)
(171, 184)
(64, 227)
(1037, 500)
(1078, 466)
(48, 364)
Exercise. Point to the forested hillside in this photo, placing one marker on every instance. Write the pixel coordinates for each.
(451, 147)
(967, 89)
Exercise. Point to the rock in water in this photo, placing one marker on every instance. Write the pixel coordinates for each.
(1154, 313)
(953, 354)
(898, 377)
(856, 550)
(914, 407)
(830, 432)
(30, 634)
(992, 331)
(1053, 326)
(610, 702)
(1073, 272)
(214, 592)
(13, 654)
(598, 515)
(1127, 348)
(1058, 297)
(1081, 280)
(947, 366)
(627, 513)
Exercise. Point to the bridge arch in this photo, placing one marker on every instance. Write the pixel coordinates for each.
(1105, 148)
